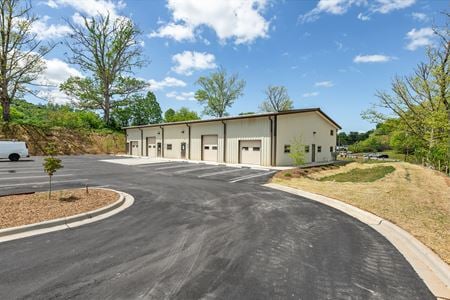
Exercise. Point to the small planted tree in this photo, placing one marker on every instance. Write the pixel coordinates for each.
(51, 165)
(297, 152)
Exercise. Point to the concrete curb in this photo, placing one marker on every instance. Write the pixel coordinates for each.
(430, 268)
(125, 200)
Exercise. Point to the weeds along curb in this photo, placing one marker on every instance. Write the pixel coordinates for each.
(125, 200)
(430, 268)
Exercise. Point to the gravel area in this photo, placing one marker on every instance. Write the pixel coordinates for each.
(17, 210)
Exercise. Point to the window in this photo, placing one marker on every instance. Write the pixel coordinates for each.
(169, 146)
(319, 148)
(245, 148)
(331, 132)
(206, 147)
(214, 147)
(287, 148)
(307, 149)
(255, 148)
(331, 148)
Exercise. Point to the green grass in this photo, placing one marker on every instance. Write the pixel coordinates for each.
(361, 175)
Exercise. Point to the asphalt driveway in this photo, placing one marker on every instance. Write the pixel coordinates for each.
(198, 232)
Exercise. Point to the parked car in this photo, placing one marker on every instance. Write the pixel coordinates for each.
(13, 150)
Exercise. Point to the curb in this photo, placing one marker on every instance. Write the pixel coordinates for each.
(430, 267)
(125, 200)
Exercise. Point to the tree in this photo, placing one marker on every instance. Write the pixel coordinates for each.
(108, 49)
(183, 114)
(297, 151)
(218, 92)
(421, 102)
(21, 52)
(51, 165)
(277, 99)
(139, 110)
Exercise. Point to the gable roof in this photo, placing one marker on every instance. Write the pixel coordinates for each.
(286, 112)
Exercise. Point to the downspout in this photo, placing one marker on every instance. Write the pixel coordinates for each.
(162, 141)
(271, 140)
(275, 141)
(224, 142)
(142, 141)
(189, 141)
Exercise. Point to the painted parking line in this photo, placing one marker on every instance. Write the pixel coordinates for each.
(41, 183)
(219, 172)
(174, 167)
(29, 177)
(250, 176)
(195, 169)
(155, 164)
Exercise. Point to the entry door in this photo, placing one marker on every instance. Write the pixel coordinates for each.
(151, 146)
(209, 147)
(250, 152)
(134, 148)
(313, 152)
(183, 150)
(158, 153)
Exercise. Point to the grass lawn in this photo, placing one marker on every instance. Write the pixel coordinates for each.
(413, 197)
(360, 175)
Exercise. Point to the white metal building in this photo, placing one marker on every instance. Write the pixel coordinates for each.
(259, 139)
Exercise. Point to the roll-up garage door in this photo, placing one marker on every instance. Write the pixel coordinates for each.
(134, 148)
(210, 147)
(250, 152)
(151, 146)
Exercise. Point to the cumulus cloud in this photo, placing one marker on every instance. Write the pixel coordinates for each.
(183, 96)
(374, 58)
(56, 72)
(419, 38)
(340, 7)
(312, 94)
(44, 31)
(326, 84)
(90, 7)
(166, 82)
(189, 61)
(241, 21)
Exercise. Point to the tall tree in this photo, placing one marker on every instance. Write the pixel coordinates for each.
(21, 53)
(277, 99)
(139, 110)
(169, 115)
(218, 92)
(107, 49)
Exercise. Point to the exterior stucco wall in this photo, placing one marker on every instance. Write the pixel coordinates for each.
(302, 126)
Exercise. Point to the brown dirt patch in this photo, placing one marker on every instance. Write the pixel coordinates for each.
(415, 198)
(20, 210)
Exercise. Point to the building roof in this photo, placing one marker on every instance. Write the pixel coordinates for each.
(286, 112)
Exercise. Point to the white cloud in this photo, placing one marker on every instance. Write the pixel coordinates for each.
(183, 96)
(419, 38)
(90, 7)
(312, 94)
(189, 61)
(363, 17)
(419, 16)
(375, 58)
(326, 84)
(44, 31)
(241, 21)
(340, 7)
(56, 73)
(166, 82)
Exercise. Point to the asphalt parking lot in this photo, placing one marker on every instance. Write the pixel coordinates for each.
(198, 231)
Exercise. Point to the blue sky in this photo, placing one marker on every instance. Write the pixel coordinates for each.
(332, 54)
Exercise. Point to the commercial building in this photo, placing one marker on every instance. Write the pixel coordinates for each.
(259, 139)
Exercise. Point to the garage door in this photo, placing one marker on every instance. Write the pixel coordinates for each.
(209, 145)
(250, 152)
(151, 146)
(134, 148)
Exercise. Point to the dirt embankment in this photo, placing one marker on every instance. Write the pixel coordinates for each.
(67, 141)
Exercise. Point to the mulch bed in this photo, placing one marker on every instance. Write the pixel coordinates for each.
(17, 210)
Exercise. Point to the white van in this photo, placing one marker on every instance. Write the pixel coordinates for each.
(13, 150)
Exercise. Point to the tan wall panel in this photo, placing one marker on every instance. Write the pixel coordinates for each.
(175, 135)
(211, 128)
